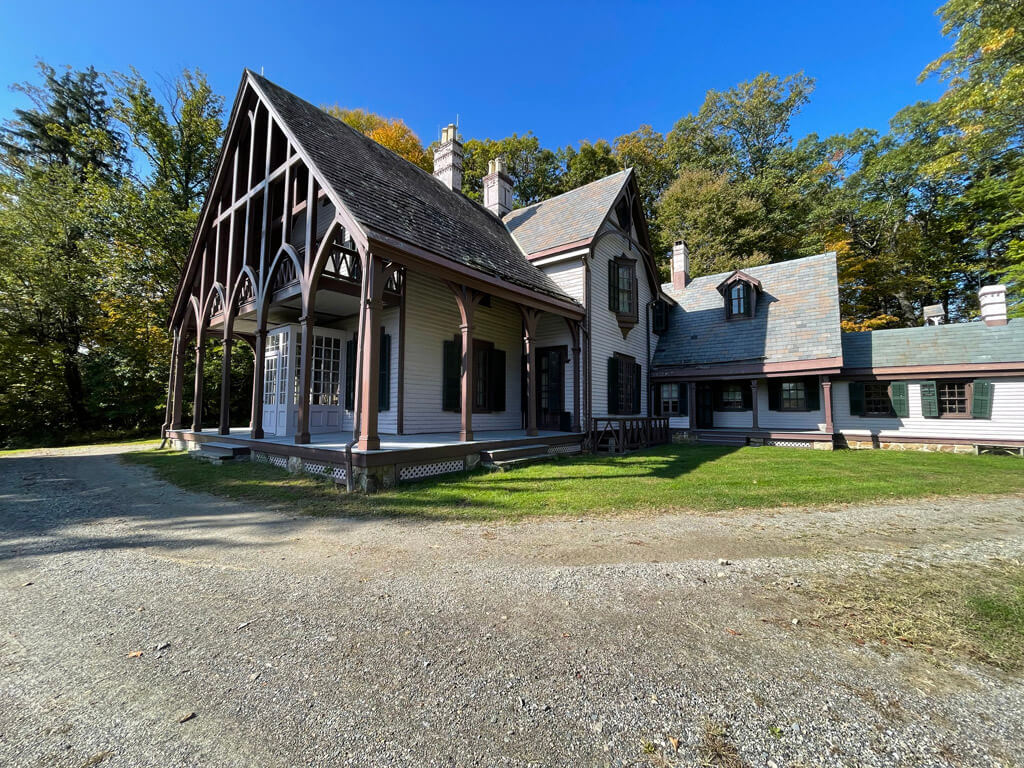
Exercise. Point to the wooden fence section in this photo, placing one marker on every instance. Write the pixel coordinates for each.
(618, 435)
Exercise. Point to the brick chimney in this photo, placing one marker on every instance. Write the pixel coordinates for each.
(993, 304)
(448, 158)
(680, 265)
(497, 188)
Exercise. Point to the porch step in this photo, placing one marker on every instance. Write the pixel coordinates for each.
(517, 452)
(734, 440)
(218, 452)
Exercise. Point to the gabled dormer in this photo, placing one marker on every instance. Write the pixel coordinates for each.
(740, 292)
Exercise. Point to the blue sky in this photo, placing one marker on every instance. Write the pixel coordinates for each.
(566, 71)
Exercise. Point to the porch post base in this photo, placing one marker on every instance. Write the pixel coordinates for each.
(368, 443)
(465, 437)
(224, 431)
(532, 432)
(302, 438)
(256, 433)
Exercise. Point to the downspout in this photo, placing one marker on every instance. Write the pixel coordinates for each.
(589, 392)
(357, 395)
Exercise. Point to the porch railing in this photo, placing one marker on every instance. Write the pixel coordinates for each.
(618, 435)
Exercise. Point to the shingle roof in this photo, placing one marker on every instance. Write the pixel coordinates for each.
(567, 218)
(386, 193)
(935, 345)
(797, 318)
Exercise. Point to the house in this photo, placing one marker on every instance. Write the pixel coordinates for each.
(401, 330)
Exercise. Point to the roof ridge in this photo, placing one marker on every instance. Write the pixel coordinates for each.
(759, 266)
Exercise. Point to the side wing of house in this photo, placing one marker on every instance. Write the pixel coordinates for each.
(946, 387)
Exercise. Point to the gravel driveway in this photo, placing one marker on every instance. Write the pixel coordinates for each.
(127, 605)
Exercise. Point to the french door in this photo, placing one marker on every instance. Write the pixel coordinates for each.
(551, 387)
(277, 383)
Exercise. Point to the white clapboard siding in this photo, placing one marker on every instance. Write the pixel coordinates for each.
(570, 277)
(432, 317)
(1007, 422)
(679, 422)
(734, 419)
(552, 331)
(796, 420)
(606, 336)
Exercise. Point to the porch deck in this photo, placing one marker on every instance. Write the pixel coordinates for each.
(329, 447)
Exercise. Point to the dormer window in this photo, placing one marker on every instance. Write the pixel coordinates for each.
(740, 293)
(739, 299)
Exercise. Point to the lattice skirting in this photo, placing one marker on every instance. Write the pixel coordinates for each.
(565, 448)
(329, 471)
(269, 458)
(790, 443)
(420, 471)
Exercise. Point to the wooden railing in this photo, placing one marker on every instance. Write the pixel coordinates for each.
(627, 434)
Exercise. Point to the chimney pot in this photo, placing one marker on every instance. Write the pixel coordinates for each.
(448, 159)
(680, 265)
(497, 188)
(992, 299)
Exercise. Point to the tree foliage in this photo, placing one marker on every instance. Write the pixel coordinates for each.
(388, 132)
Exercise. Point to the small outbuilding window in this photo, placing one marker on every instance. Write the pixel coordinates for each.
(733, 396)
(739, 300)
(740, 292)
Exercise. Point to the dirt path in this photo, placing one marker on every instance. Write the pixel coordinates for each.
(299, 641)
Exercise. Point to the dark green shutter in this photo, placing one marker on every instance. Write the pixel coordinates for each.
(747, 394)
(929, 401)
(901, 401)
(496, 370)
(613, 286)
(350, 375)
(684, 399)
(384, 385)
(656, 394)
(451, 384)
(638, 383)
(774, 395)
(660, 317)
(813, 391)
(856, 398)
(613, 385)
(981, 401)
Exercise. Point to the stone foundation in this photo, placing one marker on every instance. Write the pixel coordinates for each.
(891, 445)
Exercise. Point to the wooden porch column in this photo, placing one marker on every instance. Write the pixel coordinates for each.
(177, 380)
(574, 332)
(305, 362)
(753, 404)
(691, 404)
(257, 383)
(529, 338)
(225, 385)
(369, 353)
(467, 300)
(826, 386)
(197, 401)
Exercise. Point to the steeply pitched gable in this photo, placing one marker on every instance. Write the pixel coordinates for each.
(387, 194)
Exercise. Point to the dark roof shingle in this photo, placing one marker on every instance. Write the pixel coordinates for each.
(386, 193)
(567, 218)
(797, 318)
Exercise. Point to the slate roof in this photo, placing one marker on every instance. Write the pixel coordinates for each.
(387, 193)
(936, 345)
(567, 218)
(796, 318)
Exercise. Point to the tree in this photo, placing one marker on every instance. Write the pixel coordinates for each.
(392, 133)
(644, 151)
(591, 162)
(984, 107)
(722, 226)
(534, 170)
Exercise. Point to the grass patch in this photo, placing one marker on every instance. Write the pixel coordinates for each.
(699, 478)
(973, 611)
(142, 442)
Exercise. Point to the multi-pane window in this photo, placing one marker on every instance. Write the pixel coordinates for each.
(624, 293)
(672, 403)
(876, 399)
(325, 388)
(794, 396)
(269, 380)
(730, 397)
(954, 399)
(625, 383)
(282, 390)
(739, 297)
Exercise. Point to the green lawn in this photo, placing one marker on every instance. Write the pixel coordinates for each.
(700, 478)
